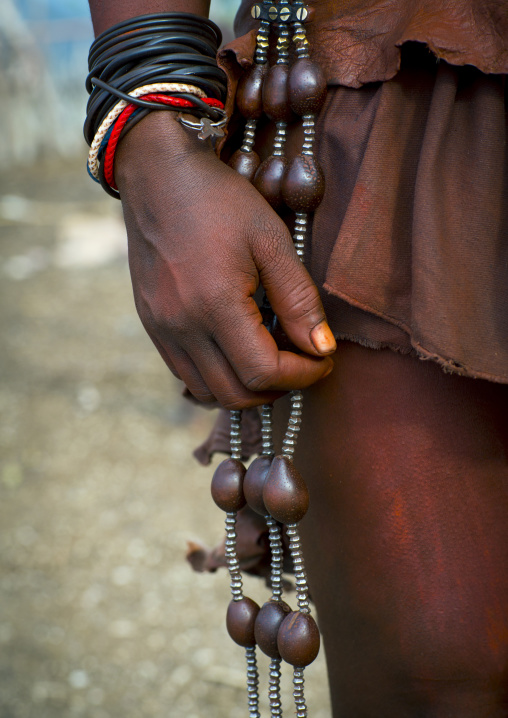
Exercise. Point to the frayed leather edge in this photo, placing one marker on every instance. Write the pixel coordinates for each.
(448, 365)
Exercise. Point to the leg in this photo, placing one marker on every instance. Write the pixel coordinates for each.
(407, 536)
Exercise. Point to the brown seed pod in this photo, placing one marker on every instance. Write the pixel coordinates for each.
(298, 639)
(306, 87)
(268, 179)
(275, 94)
(245, 163)
(285, 493)
(268, 622)
(254, 482)
(240, 620)
(303, 184)
(227, 485)
(249, 92)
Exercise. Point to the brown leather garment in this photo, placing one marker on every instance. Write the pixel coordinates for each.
(358, 41)
(410, 245)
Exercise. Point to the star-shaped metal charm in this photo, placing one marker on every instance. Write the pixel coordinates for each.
(209, 129)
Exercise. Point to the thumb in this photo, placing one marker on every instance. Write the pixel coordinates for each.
(293, 295)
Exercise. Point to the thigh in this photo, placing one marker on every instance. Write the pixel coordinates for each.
(407, 535)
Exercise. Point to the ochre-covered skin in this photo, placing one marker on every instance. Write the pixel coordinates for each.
(406, 538)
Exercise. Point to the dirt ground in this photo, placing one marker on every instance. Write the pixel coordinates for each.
(100, 615)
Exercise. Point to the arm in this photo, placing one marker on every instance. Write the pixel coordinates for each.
(108, 12)
(201, 239)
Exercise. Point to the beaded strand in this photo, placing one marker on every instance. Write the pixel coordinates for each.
(277, 568)
(227, 492)
(272, 486)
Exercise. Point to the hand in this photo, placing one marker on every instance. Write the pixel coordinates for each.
(201, 239)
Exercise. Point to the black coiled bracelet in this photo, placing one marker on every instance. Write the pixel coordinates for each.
(172, 53)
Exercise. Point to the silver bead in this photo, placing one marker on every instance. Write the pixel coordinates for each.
(249, 136)
(298, 693)
(252, 683)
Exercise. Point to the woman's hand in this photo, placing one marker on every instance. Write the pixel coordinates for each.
(201, 239)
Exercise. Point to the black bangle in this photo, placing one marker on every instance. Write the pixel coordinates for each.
(200, 25)
(133, 51)
(161, 48)
(136, 37)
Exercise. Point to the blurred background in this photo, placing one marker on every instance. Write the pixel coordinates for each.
(100, 615)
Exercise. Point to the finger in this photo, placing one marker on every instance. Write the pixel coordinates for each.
(292, 293)
(255, 357)
(182, 366)
(164, 355)
(221, 378)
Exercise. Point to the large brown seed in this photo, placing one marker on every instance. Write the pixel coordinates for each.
(245, 163)
(249, 92)
(254, 482)
(240, 620)
(285, 493)
(303, 184)
(268, 622)
(306, 87)
(275, 94)
(298, 639)
(268, 179)
(227, 485)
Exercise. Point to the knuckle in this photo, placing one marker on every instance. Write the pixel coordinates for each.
(233, 404)
(271, 238)
(260, 379)
(173, 371)
(203, 396)
(148, 322)
(161, 316)
(147, 311)
(160, 320)
(306, 301)
(238, 403)
(215, 310)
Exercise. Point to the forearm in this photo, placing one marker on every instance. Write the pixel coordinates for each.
(106, 13)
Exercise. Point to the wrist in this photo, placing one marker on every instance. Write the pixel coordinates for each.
(136, 63)
(159, 136)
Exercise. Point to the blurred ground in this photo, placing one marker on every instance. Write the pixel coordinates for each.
(100, 616)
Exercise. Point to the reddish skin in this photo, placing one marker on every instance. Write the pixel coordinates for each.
(108, 12)
(406, 538)
(201, 239)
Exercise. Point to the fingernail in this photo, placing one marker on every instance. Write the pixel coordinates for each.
(328, 371)
(322, 338)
